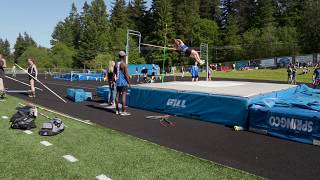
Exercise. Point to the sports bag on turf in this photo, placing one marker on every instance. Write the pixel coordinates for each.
(23, 119)
(53, 127)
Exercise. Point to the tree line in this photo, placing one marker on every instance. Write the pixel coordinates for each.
(233, 29)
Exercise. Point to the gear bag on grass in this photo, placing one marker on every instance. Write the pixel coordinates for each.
(51, 128)
(24, 118)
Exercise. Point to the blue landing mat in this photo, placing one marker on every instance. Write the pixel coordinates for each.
(293, 114)
(227, 110)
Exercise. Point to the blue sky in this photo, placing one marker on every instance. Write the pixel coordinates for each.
(36, 17)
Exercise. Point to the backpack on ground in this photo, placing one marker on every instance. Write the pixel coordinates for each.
(53, 127)
(24, 118)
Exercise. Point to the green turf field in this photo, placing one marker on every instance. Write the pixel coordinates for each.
(263, 74)
(99, 150)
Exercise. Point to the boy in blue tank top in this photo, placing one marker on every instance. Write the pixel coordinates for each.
(122, 82)
(195, 72)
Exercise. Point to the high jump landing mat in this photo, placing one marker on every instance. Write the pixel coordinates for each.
(286, 111)
(223, 102)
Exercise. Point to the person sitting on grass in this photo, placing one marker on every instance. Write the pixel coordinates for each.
(180, 46)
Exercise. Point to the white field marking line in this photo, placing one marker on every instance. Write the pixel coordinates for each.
(61, 114)
(16, 80)
(4, 117)
(18, 91)
(28, 132)
(78, 86)
(103, 177)
(45, 143)
(54, 93)
(70, 158)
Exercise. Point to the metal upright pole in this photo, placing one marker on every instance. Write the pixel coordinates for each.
(207, 50)
(164, 54)
(127, 48)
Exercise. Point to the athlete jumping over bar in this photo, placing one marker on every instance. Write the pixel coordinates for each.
(180, 46)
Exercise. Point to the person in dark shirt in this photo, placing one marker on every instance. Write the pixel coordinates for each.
(144, 73)
(2, 75)
(33, 71)
(316, 76)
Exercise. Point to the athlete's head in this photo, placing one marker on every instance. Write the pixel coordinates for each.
(31, 61)
(122, 55)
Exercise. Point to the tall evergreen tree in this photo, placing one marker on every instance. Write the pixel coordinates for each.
(232, 40)
(22, 43)
(288, 12)
(210, 9)
(229, 8)
(136, 11)
(119, 18)
(265, 14)
(5, 48)
(186, 18)
(68, 31)
(309, 29)
(246, 13)
(95, 27)
(163, 21)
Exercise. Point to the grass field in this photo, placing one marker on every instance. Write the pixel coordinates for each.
(99, 150)
(263, 74)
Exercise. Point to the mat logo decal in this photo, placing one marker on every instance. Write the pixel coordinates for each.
(177, 103)
(291, 123)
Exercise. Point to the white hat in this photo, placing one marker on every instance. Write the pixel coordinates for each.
(122, 53)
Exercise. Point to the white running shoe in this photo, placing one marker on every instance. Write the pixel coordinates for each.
(117, 112)
(125, 113)
(202, 62)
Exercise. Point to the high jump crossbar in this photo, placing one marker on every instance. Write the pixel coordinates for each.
(151, 45)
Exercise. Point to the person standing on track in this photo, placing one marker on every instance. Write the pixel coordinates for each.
(122, 82)
(14, 71)
(111, 78)
(32, 69)
(180, 46)
(3, 65)
(195, 72)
